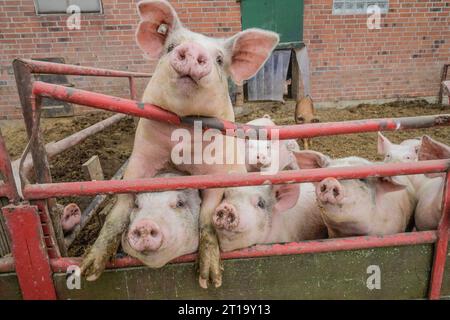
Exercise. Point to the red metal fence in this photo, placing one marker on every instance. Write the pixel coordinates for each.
(41, 234)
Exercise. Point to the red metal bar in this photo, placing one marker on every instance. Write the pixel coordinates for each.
(69, 69)
(28, 249)
(314, 246)
(105, 102)
(86, 188)
(153, 112)
(440, 253)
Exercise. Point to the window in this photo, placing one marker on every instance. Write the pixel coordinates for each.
(60, 6)
(358, 6)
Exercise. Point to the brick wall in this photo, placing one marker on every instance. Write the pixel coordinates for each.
(349, 61)
(105, 41)
(402, 59)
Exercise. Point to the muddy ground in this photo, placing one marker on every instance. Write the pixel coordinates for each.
(114, 145)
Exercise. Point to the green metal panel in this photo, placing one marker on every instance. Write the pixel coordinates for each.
(282, 16)
(405, 273)
(9, 287)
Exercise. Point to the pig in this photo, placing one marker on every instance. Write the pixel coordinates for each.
(405, 152)
(304, 113)
(70, 215)
(268, 214)
(372, 206)
(190, 79)
(429, 207)
(268, 156)
(163, 226)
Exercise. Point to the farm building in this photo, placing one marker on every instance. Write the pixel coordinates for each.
(349, 61)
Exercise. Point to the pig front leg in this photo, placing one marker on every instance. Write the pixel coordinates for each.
(108, 240)
(209, 254)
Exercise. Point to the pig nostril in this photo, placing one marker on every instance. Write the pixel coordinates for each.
(335, 192)
(323, 188)
(137, 233)
(153, 233)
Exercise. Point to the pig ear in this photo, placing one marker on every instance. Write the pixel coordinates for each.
(311, 159)
(248, 52)
(158, 20)
(383, 144)
(388, 184)
(286, 196)
(432, 150)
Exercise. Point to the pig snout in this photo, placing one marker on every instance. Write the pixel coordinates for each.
(330, 191)
(262, 160)
(145, 235)
(225, 217)
(191, 60)
(71, 217)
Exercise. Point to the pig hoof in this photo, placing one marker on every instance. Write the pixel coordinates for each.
(209, 260)
(93, 265)
(71, 217)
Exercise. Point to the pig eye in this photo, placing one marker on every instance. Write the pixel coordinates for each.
(180, 204)
(261, 203)
(170, 47)
(219, 60)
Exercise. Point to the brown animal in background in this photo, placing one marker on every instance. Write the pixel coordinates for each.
(304, 113)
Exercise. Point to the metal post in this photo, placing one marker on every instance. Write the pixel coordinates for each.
(41, 167)
(440, 251)
(30, 255)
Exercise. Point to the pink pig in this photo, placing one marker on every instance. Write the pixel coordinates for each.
(163, 226)
(429, 207)
(268, 214)
(373, 206)
(270, 156)
(405, 152)
(190, 79)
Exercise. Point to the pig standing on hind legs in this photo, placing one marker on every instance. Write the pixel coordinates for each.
(190, 79)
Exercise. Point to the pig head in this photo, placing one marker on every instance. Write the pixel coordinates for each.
(371, 206)
(163, 226)
(192, 71)
(267, 155)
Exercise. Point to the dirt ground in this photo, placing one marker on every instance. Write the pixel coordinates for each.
(114, 145)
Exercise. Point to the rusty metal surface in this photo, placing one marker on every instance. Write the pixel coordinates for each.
(294, 248)
(149, 111)
(440, 252)
(30, 111)
(29, 252)
(67, 69)
(85, 188)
